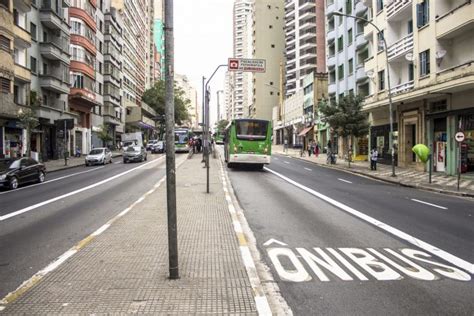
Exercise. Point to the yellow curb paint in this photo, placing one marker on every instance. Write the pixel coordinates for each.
(242, 240)
(16, 294)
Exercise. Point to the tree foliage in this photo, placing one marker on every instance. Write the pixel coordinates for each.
(155, 97)
(346, 116)
(29, 119)
(104, 135)
(221, 125)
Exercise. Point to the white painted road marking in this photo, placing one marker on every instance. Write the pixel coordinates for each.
(52, 180)
(272, 240)
(286, 162)
(117, 162)
(430, 204)
(308, 169)
(32, 207)
(378, 264)
(466, 265)
(346, 181)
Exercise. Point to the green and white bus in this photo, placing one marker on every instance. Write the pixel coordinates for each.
(181, 140)
(248, 141)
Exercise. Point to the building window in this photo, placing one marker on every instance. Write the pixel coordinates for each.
(349, 34)
(380, 38)
(340, 72)
(33, 64)
(381, 80)
(4, 43)
(425, 63)
(100, 88)
(410, 27)
(348, 6)
(271, 92)
(422, 13)
(340, 43)
(5, 85)
(379, 5)
(351, 66)
(411, 72)
(33, 31)
(6, 4)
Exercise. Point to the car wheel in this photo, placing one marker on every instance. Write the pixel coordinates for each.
(110, 159)
(230, 165)
(146, 156)
(13, 184)
(87, 164)
(41, 177)
(124, 161)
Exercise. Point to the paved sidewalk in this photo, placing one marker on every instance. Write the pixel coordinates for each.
(406, 177)
(125, 269)
(58, 164)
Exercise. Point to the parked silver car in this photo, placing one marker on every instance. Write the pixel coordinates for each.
(99, 156)
(134, 153)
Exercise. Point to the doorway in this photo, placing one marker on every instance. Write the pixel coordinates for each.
(410, 141)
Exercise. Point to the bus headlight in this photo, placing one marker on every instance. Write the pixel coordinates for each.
(265, 150)
(235, 149)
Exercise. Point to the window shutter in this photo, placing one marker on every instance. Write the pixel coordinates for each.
(419, 15)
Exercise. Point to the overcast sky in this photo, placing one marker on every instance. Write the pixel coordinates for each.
(203, 40)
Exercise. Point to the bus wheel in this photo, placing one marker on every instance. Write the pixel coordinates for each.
(230, 165)
(259, 166)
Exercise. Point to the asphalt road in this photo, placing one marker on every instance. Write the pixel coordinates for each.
(38, 223)
(330, 255)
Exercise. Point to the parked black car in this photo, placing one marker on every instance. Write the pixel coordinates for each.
(15, 172)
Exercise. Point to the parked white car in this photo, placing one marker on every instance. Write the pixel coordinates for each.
(99, 156)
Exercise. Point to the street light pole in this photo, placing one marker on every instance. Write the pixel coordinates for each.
(170, 154)
(388, 83)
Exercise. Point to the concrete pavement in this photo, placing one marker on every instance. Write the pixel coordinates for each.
(123, 266)
(406, 177)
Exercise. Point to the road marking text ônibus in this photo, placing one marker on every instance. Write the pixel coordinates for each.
(359, 264)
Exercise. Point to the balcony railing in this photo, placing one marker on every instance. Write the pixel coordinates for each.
(400, 47)
(457, 21)
(403, 87)
(360, 8)
(396, 6)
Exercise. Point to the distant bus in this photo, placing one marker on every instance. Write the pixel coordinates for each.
(181, 140)
(219, 137)
(248, 141)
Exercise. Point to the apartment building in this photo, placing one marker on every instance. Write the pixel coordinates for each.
(242, 44)
(159, 34)
(15, 77)
(431, 65)
(268, 42)
(304, 41)
(190, 93)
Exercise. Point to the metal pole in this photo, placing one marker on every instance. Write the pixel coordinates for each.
(170, 154)
(459, 163)
(65, 145)
(431, 162)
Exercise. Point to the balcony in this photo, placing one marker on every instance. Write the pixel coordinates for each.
(308, 44)
(361, 41)
(55, 51)
(23, 5)
(82, 98)
(331, 8)
(331, 62)
(361, 75)
(308, 35)
(455, 22)
(308, 55)
(22, 37)
(110, 116)
(331, 35)
(54, 83)
(308, 25)
(396, 8)
(404, 87)
(307, 5)
(360, 9)
(459, 71)
(53, 20)
(22, 73)
(400, 48)
(308, 15)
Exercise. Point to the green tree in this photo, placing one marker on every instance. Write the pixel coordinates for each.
(221, 125)
(29, 119)
(104, 135)
(155, 97)
(346, 117)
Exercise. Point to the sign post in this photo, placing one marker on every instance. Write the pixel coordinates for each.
(459, 139)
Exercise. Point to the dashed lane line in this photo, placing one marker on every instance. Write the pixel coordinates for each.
(346, 181)
(308, 169)
(430, 204)
(286, 162)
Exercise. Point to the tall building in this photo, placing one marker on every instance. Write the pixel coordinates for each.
(158, 32)
(190, 93)
(430, 60)
(347, 50)
(268, 42)
(229, 94)
(304, 41)
(242, 44)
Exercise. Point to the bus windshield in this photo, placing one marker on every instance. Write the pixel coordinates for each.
(181, 138)
(251, 130)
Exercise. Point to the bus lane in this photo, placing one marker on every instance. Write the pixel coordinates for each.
(326, 261)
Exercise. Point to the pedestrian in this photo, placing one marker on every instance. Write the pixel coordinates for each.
(373, 158)
(194, 145)
(316, 149)
(285, 145)
(199, 145)
(310, 148)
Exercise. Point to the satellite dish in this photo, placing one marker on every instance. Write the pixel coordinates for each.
(370, 74)
(410, 57)
(440, 54)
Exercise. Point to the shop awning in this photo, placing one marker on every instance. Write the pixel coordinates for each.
(305, 131)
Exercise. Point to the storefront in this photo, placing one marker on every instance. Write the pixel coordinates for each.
(380, 138)
(11, 140)
(466, 124)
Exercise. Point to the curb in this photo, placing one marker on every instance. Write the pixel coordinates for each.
(400, 183)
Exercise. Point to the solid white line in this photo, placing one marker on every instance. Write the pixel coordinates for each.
(346, 181)
(434, 205)
(32, 207)
(308, 169)
(52, 180)
(275, 158)
(392, 230)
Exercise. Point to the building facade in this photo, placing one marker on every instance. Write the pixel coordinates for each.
(431, 65)
(190, 93)
(268, 43)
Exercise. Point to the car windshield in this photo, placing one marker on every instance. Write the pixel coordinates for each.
(9, 164)
(96, 152)
(134, 148)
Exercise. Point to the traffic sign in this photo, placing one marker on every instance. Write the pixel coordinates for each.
(246, 65)
(459, 137)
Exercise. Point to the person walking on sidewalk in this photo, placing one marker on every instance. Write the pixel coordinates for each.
(373, 158)
(316, 149)
(310, 148)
